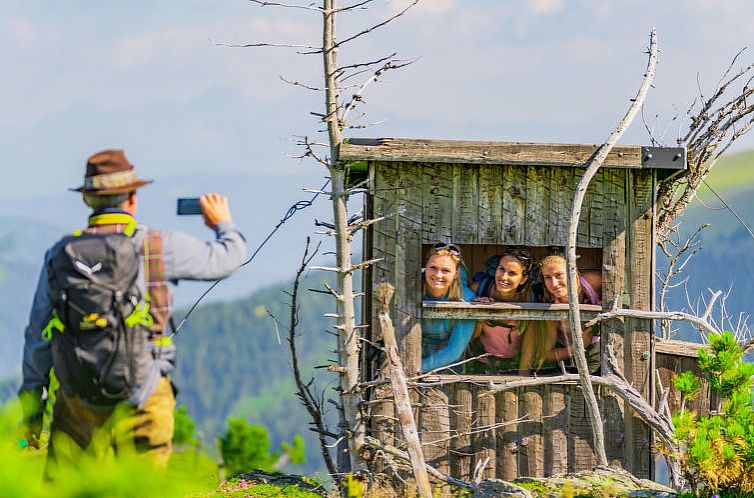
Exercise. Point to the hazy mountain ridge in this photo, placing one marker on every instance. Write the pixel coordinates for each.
(725, 262)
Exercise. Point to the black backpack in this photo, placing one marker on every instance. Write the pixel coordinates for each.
(101, 350)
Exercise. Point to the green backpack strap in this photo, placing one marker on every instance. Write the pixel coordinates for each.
(55, 323)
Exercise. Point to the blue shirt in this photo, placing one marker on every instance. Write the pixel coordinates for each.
(443, 341)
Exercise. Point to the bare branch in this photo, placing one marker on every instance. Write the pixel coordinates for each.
(305, 395)
(311, 6)
(379, 25)
(263, 44)
(355, 6)
(575, 314)
(296, 83)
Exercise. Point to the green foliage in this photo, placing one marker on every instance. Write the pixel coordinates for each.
(354, 487)
(246, 447)
(129, 476)
(717, 452)
(241, 488)
(688, 385)
(296, 451)
(184, 429)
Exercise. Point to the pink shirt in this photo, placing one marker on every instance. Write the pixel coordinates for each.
(500, 339)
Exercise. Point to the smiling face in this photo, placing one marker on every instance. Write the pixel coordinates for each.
(509, 275)
(554, 277)
(440, 272)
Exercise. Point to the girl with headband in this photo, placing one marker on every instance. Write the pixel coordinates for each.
(444, 341)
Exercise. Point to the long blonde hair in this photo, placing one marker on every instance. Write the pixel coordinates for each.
(455, 292)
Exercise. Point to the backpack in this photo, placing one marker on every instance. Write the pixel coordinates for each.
(101, 353)
(486, 278)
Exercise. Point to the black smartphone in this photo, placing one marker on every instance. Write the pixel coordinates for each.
(188, 206)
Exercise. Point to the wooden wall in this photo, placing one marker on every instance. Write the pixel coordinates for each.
(523, 206)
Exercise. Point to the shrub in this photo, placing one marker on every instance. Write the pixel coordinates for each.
(717, 452)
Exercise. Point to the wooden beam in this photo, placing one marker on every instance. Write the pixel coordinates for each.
(460, 310)
(678, 348)
(499, 153)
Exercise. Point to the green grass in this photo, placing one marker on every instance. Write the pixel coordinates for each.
(733, 174)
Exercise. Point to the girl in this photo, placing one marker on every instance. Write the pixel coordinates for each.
(555, 344)
(443, 341)
(501, 339)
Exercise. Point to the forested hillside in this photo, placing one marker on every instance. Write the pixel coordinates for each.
(234, 361)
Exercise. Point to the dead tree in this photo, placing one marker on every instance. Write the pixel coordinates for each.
(343, 228)
(573, 299)
(312, 401)
(716, 122)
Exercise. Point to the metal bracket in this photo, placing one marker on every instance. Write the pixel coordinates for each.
(663, 157)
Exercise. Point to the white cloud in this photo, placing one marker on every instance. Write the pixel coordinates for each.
(434, 7)
(545, 7)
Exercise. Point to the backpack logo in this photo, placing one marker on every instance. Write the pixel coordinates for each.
(89, 271)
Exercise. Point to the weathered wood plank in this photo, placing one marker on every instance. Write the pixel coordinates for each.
(562, 185)
(611, 407)
(678, 348)
(514, 204)
(585, 221)
(637, 345)
(461, 452)
(465, 210)
(382, 414)
(435, 428)
(408, 265)
(537, 206)
(507, 435)
(531, 457)
(437, 218)
(492, 311)
(580, 452)
(384, 240)
(490, 221)
(385, 233)
(596, 195)
(555, 430)
(483, 440)
(514, 153)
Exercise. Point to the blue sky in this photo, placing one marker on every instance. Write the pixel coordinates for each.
(79, 76)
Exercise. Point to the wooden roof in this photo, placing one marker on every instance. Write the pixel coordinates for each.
(508, 153)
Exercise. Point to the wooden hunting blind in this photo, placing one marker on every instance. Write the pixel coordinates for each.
(484, 196)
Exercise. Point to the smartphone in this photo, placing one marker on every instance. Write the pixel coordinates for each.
(188, 206)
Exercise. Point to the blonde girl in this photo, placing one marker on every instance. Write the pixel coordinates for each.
(555, 343)
(443, 341)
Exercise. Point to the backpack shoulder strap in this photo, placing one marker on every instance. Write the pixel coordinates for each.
(158, 295)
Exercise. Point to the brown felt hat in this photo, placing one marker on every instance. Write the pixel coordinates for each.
(108, 172)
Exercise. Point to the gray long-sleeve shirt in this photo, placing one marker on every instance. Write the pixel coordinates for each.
(185, 258)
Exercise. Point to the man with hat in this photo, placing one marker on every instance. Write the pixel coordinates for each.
(146, 423)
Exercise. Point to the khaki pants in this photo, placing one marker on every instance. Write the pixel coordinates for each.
(77, 431)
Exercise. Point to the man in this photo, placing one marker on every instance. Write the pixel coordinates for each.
(145, 422)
